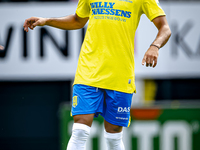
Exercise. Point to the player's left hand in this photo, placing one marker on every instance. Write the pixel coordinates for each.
(151, 56)
(1, 47)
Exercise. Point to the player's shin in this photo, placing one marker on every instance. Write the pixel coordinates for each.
(114, 141)
(80, 133)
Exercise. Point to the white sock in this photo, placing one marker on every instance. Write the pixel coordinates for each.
(114, 141)
(80, 133)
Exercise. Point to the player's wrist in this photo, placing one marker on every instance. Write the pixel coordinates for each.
(47, 21)
(154, 45)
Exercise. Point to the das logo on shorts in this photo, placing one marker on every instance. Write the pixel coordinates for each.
(75, 101)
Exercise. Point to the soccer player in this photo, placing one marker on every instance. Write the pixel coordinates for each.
(105, 80)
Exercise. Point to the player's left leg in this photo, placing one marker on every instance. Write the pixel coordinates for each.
(113, 136)
(116, 115)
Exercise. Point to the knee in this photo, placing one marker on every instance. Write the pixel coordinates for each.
(113, 136)
(84, 119)
(80, 131)
(114, 141)
(116, 129)
(80, 134)
(110, 128)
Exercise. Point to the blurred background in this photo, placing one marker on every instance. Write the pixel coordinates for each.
(37, 71)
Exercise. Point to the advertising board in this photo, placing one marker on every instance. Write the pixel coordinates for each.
(150, 129)
(48, 53)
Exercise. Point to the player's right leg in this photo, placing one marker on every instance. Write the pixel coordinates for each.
(86, 102)
(80, 131)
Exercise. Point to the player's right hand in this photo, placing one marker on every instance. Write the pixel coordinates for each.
(33, 22)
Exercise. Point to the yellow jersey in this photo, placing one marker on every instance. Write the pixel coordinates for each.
(107, 54)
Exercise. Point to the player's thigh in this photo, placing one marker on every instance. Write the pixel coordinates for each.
(84, 119)
(117, 109)
(87, 101)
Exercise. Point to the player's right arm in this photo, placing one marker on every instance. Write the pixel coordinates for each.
(70, 22)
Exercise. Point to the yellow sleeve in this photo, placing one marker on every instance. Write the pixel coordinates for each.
(152, 9)
(83, 9)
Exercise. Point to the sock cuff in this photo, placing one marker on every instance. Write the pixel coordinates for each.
(113, 135)
(81, 127)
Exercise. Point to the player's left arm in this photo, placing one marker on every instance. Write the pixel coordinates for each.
(164, 33)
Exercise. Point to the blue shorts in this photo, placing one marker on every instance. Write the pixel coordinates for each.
(114, 106)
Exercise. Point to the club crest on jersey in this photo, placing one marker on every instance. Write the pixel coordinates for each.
(75, 101)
